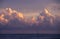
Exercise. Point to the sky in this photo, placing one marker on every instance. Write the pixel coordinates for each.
(27, 6)
(30, 8)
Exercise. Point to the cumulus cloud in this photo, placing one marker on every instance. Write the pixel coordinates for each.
(8, 14)
(12, 17)
(13, 21)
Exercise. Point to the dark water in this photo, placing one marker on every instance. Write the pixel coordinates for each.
(29, 36)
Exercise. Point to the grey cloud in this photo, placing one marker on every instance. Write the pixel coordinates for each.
(1, 3)
(56, 1)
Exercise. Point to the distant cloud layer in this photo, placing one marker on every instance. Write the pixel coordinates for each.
(7, 15)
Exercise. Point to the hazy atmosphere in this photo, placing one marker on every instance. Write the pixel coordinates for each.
(29, 16)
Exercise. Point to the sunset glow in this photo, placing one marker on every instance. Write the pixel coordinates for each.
(12, 14)
(29, 16)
